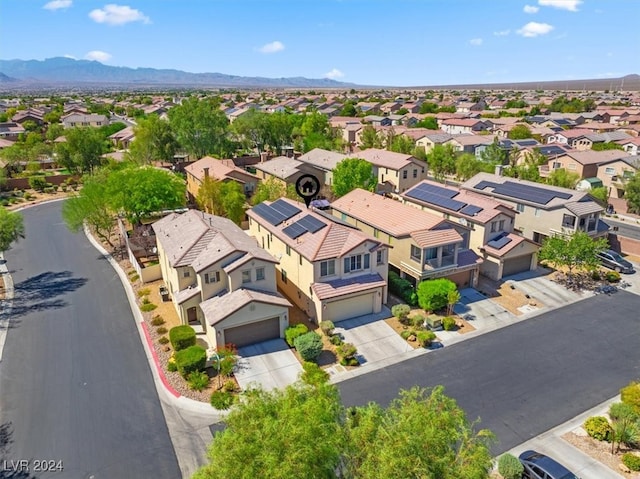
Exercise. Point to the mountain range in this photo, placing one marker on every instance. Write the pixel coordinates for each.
(67, 72)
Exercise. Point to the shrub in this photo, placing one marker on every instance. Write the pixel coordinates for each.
(631, 395)
(309, 346)
(222, 399)
(448, 323)
(182, 337)
(620, 410)
(163, 340)
(402, 288)
(313, 375)
(612, 276)
(28, 196)
(433, 294)
(405, 334)
(161, 330)
(157, 320)
(401, 311)
(49, 189)
(134, 277)
(349, 362)
(336, 340)
(292, 332)
(190, 360)
(631, 461)
(148, 307)
(198, 380)
(327, 327)
(417, 320)
(37, 183)
(595, 275)
(510, 467)
(425, 338)
(347, 351)
(144, 292)
(171, 365)
(598, 427)
(229, 386)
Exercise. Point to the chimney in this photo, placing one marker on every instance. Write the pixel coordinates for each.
(264, 156)
(206, 172)
(498, 170)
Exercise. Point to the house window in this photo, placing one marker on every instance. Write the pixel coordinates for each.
(328, 268)
(568, 221)
(288, 250)
(404, 175)
(415, 253)
(212, 277)
(343, 217)
(415, 173)
(353, 263)
(494, 226)
(376, 233)
(520, 207)
(610, 171)
(283, 276)
(380, 257)
(259, 274)
(557, 165)
(431, 253)
(246, 276)
(501, 225)
(300, 259)
(571, 166)
(258, 225)
(186, 273)
(536, 212)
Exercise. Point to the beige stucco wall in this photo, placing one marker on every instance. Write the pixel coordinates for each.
(616, 168)
(268, 284)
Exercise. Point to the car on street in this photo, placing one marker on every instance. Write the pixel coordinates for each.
(540, 466)
(612, 260)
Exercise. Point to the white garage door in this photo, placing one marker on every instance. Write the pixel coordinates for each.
(516, 265)
(349, 308)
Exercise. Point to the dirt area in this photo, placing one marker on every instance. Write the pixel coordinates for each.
(601, 452)
(502, 293)
(37, 197)
(2, 292)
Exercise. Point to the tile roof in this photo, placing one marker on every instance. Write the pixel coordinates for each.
(333, 241)
(324, 159)
(281, 167)
(580, 208)
(218, 308)
(591, 157)
(433, 238)
(344, 286)
(385, 158)
(386, 214)
(185, 294)
(218, 169)
(500, 252)
(198, 239)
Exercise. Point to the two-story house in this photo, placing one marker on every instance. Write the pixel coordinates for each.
(283, 169)
(464, 126)
(396, 172)
(490, 224)
(220, 281)
(219, 170)
(324, 161)
(423, 245)
(84, 120)
(615, 173)
(544, 210)
(329, 269)
(584, 163)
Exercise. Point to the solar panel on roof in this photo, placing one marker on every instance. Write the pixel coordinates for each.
(268, 213)
(470, 210)
(446, 203)
(310, 223)
(499, 242)
(294, 230)
(286, 209)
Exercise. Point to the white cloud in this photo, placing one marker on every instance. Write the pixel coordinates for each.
(531, 9)
(57, 4)
(534, 29)
(113, 14)
(476, 42)
(272, 47)
(334, 74)
(66, 55)
(97, 55)
(502, 33)
(571, 5)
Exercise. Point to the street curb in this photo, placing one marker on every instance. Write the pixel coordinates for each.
(5, 314)
(163, 378)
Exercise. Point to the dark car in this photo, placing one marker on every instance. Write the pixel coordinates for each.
(611, 259)
(540, 466)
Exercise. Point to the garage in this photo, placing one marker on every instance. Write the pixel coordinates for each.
(253, 332)
(516, 265)
(349, 308)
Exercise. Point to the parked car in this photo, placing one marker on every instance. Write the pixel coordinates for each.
(539, 466)
(611, 259)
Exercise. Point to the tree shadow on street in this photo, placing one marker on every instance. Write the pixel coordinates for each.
(42, 292)
(11, 468)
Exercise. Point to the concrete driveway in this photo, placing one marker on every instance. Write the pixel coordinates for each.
(476, 307)
(374, 338)
(269, 365)
(549, 293)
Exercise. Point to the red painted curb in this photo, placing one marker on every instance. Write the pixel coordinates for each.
(155, 358)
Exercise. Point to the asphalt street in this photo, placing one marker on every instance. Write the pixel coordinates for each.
(527, 378)
(76, 385)
(627, 229)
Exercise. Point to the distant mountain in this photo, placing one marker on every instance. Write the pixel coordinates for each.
(67, 71)
(7, 79)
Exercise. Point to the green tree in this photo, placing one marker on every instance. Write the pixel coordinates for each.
(222, 199)
(468, 165)
(579, 251)
(606, 146)
(563, 178)
(139, 191)
(91, 206)
(442, 161)
(54, 131)
(428, 122)
(423, 433)
(254, 127)
(154, 141)
(11, 228)
(428, 107)
(495, 154)
(600, 194)
(201, 127)
(401, 144)
(352, 173)
(83, 150)
(519, 132)
(348, 109)
(632, 193)
(369, 138)
(434, 294)
(272, 189)
(295, 432)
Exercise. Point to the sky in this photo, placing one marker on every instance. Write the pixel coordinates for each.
(366, 42)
